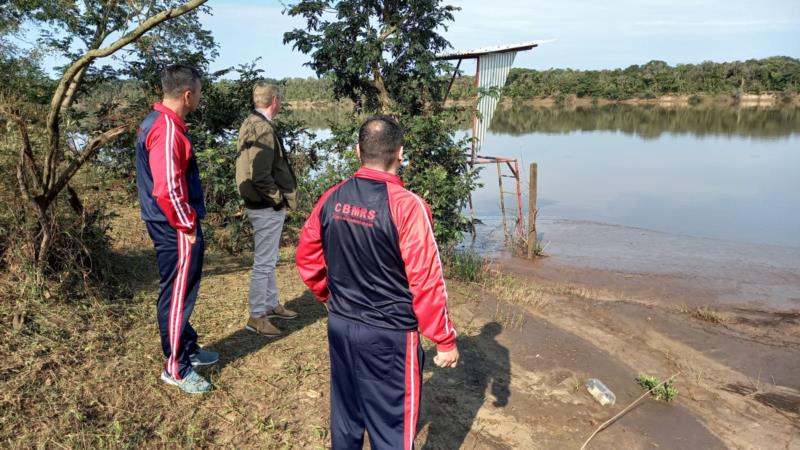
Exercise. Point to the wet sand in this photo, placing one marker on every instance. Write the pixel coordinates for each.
(633, 295)
(669, 268)
(523, 388)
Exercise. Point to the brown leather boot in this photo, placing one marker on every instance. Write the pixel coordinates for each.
(280, 312)
(262, 326)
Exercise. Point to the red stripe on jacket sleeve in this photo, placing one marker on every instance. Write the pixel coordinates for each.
(169, 157)
(310, 257)
(414, 222)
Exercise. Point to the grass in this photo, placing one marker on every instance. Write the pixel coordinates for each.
(466, 265)
(511, 289)
(665, 392)
(83, 372)
(704, 313)
(519, 246)
(509, 317)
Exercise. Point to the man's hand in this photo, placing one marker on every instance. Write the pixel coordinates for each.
(446, 359)
(192, 237)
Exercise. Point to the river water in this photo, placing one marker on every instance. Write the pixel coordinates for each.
(705, 195)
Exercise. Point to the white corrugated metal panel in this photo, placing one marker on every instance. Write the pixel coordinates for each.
(493, 69)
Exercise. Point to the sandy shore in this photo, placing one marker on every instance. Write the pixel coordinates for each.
(613, 301)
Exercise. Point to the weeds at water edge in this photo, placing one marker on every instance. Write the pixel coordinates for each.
(704, 313)
(466, 265)
(665, 391)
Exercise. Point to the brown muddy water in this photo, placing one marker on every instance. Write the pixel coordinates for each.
(691, 205)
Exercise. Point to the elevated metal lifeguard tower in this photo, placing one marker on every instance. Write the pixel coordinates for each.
(493, 65)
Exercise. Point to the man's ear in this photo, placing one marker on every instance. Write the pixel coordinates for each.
(358, 152)
(400, 154)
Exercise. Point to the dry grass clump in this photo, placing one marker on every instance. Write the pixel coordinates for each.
(704, 313)
(516, 291)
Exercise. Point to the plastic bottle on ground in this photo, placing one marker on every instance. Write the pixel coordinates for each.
(600, 392)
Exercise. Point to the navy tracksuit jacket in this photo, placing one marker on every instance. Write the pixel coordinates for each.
(368, 250)
(171, 201)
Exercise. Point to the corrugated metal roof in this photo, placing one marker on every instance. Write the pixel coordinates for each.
(498, 49)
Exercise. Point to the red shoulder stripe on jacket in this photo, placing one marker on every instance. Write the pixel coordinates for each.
(423, 266)
(168, 157)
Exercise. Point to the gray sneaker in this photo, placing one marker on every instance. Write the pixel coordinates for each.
(203, 357)
(192, 383)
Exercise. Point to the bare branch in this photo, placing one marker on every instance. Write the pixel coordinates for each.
(383, 94)
(388, 31)
(25, 152)
(100, 35)
(73, 87)
(87, 152)
(23, 183)
(81, 63)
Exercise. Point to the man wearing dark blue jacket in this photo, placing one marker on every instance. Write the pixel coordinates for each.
(368, 252)
(171, 201)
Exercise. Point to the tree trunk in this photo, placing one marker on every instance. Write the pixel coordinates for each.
(40, 187)
(47, 236)
(384, 101)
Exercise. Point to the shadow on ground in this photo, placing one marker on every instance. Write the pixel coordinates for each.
(451, 398)
(241, 343)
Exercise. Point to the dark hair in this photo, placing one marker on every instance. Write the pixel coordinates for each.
(379, 138)
(179, 78)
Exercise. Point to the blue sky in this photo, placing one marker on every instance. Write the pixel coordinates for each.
(589, 34)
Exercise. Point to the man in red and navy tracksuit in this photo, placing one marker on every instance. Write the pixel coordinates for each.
(171, 201)
(368, 252)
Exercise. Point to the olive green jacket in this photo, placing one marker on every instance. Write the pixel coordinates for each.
(263, 172)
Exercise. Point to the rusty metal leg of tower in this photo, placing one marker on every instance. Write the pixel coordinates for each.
(472, 219)
(520, 221)
(502, 203)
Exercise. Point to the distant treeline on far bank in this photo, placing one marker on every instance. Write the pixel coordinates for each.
(778, 74)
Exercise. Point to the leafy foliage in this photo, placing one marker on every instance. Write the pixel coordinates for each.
(382, 57)
(58, 127)
(374, 52)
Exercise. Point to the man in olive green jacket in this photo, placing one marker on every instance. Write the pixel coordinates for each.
(268, 186)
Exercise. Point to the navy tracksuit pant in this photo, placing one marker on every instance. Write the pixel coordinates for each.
(180, 265)
(376, 376)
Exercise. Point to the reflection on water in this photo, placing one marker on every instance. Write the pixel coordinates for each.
(650, 121)
(642, 121)
(731, 187)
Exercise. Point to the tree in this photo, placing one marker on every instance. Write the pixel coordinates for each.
(44, 169)
(382, 56)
